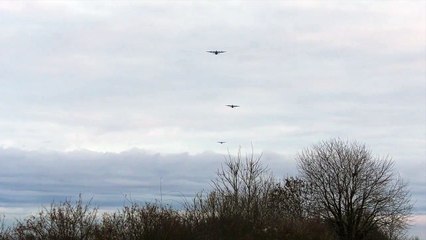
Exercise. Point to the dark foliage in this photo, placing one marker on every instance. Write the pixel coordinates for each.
(150, 221)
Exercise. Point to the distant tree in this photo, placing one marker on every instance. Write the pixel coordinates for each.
(289, 199)
(355, 192)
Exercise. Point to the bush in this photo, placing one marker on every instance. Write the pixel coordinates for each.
(62, 221)
(151, 221)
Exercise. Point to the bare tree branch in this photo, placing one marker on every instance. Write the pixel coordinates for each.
(355, 192)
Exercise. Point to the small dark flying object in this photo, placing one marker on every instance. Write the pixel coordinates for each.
(232, 106)
(220, 142)
(216, 52)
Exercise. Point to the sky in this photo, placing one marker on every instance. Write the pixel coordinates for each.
(110, 98)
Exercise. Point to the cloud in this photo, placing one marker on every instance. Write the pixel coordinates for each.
(37, 177)
(419, 226)
(111, 77)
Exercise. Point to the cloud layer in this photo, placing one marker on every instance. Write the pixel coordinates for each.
(32, 179)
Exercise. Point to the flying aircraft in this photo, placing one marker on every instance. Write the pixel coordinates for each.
(216, 52)
(221, 142)
(232, 106)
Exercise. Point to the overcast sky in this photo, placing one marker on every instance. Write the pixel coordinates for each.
(107, 98)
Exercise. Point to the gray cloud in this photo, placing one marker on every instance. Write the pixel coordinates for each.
(33, 178)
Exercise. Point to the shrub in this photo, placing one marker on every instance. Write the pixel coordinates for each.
(139, 222)
(62, 221)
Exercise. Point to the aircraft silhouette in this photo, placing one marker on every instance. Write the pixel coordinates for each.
(232, 106)
(216, 52)
(221, 142)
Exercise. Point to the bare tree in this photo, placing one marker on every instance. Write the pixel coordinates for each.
(243, 184)
(355, 192)
(237, 205)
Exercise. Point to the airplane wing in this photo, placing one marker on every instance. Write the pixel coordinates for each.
(215, 52)
(232, 106)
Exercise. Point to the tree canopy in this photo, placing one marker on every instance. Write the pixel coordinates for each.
(355, 192)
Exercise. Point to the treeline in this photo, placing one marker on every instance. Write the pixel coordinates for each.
(246, 202)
